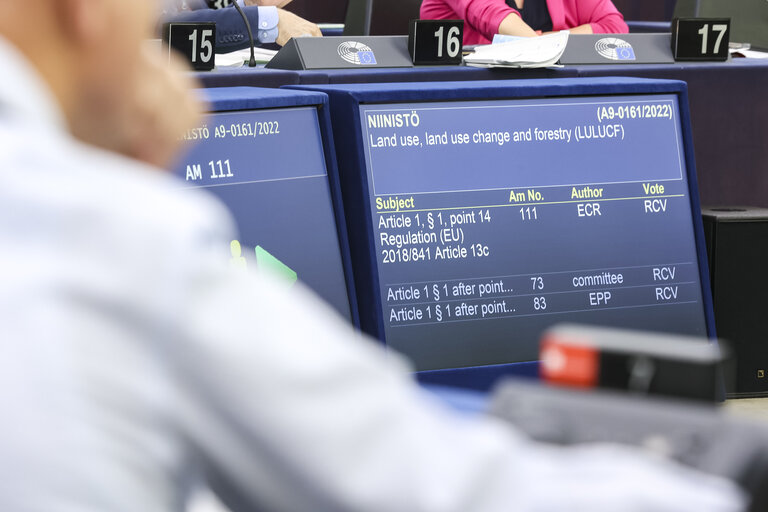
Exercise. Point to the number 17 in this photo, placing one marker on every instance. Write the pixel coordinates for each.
(704, 32)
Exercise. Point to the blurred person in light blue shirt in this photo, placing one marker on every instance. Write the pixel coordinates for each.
(134, 361)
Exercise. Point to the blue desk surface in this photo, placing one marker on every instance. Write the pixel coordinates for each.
(245, 98)
(478, 379)
(462, 400)
(425, 74)
(729, 66)
(262, 77)
(245, 76)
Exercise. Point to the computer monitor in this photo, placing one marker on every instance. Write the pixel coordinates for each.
(263, 153)
(482, 213)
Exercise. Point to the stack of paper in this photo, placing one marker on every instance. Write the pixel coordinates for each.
(240, 57)
(530, 52)
(750, 54)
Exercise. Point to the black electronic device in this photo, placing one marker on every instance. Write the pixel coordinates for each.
(617, 49)
(392, 17)
(697, 435)
(435, 41)
(737, 244)
(343, 52)
(358, 19)
(700, 38)
(196, 42)
(380, 17)
(640, 362)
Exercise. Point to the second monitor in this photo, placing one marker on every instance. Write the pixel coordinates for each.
(483, 213)
(262, 152)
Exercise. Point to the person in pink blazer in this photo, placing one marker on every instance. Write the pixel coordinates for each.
(484, 18)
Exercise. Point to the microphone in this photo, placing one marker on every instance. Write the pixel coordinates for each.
(252, 62)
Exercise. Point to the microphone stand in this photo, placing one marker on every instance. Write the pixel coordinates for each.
(252, 62)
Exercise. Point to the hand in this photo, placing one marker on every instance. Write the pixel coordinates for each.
(289, 25)
(582, 29)
(165, 107)
(513, 25)
(268, 3)
(147, 121)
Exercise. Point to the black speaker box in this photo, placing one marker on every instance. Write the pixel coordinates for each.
(737, 245)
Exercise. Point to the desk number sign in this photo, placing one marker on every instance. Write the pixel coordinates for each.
(700, 38)
(436, 41)
(195, 41)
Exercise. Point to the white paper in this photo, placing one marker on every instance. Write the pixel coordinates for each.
(751, 54)
(532, 52)
(240, 57)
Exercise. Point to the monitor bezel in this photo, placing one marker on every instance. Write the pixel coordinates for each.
(245, 99)
(346, 100)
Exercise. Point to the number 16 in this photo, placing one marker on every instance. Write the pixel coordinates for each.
(452, 40)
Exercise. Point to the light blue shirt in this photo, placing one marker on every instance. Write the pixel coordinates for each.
(266, 32)
(268, 20)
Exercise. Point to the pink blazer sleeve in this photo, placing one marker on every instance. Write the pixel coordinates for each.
(484, 16)
(601, 14)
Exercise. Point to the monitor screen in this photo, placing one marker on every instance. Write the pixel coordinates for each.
(493, 220)
(268, 167)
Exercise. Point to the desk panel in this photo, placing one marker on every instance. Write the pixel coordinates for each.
(247, 77)
(426, 74)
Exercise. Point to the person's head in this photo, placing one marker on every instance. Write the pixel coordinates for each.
(93, 56)
(87, 50)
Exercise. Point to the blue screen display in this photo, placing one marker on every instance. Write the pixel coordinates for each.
(493, 220)
(268, 168)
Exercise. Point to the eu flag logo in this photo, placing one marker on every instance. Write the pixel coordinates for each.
(366, 57)
(625, 53)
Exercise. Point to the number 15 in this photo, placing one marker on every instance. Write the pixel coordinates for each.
(205, 45)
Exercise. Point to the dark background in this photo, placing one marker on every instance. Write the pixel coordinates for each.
(333, 11)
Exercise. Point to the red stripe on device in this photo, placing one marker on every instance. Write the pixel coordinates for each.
(569, 364)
